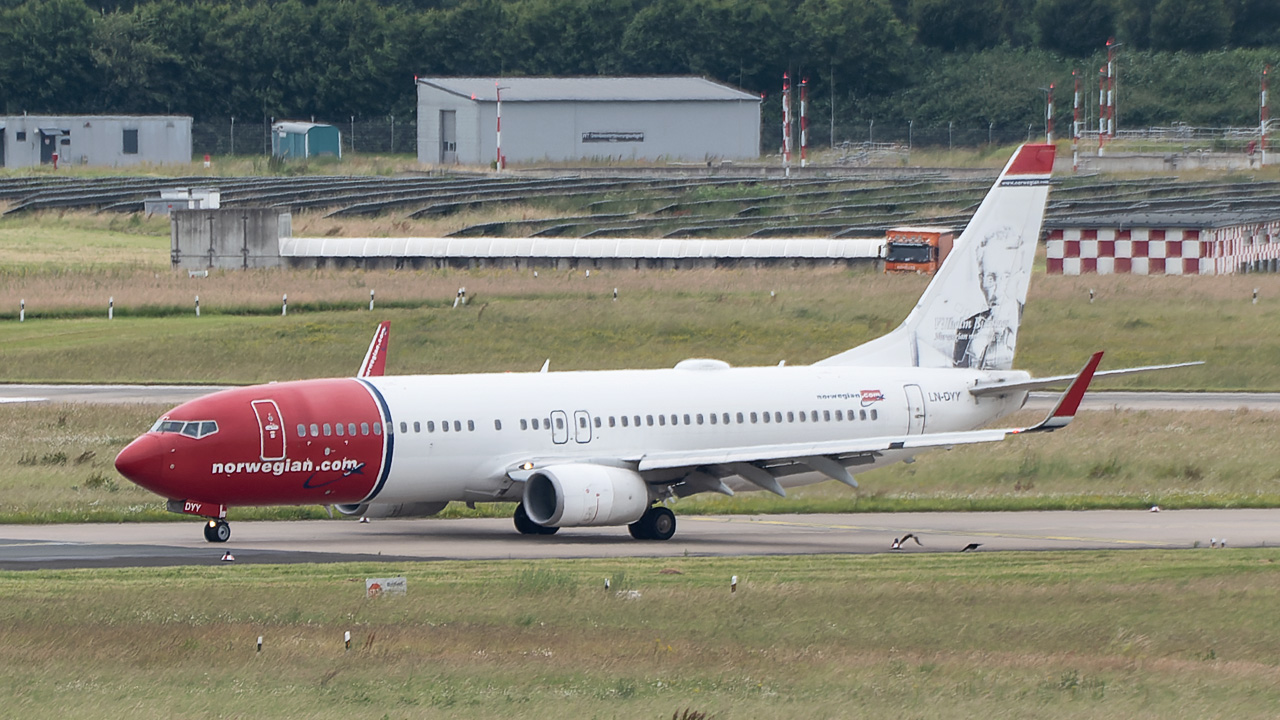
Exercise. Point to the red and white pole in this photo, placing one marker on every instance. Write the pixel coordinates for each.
(786, 125)
(804, 121)
(1048, 118)
(1102, 108)
(1262, 117)
(1075, 124)
(1111, 89)
(500, 160)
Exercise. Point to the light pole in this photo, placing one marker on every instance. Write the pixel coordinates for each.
(911, 125)
(871, 132)
(950, 126)
(501, 161)
(233, 135)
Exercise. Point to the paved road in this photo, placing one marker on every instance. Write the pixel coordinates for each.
(174, 394)
(181, 543)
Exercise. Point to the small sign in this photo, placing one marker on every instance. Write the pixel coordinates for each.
(612, 137)
(375, 587)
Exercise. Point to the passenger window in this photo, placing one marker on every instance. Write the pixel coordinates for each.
(675, 420)
(767, 418)
(302, 430)
(364, 428)
(457, 425)
(339, 429)
(790, 417)
(713, 418)
(444, 426)
(648, 420)
(637, 420)
(431, 426)
(417, 426)
(613, 422)
(826, 416)
(351, 429)
(852, 415)
(624, 421)
(777, 416)
(497, 424)
(315, 430)
(802, 416)
(524, 424)
(699, 418)
(377, 428)
(725, 417)
(862, 414)
(662, 420)
(404, 427)
(471, 425)
(559, 423)
(582, 422)
(813, 415)
(535, 423)
(686, 419)
(598, 423)
(873, 414)
(753, 417)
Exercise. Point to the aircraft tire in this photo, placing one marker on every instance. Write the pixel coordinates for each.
(217, 532)
(657, 523)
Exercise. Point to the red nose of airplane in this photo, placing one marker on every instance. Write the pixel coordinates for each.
(141, 462)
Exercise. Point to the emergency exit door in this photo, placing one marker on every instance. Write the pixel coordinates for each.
(270, 429)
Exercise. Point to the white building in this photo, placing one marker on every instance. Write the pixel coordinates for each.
(558, 119)
(101, 140)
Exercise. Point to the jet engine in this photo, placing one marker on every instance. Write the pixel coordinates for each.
(582, 495)
(390, 510)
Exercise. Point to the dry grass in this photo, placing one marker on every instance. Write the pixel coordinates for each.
(1043, 635)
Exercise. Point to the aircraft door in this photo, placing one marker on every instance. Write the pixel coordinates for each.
(270, 429)
(559, 427)
(448, 137)
(582, 426)
(915, 409)
(48, 146)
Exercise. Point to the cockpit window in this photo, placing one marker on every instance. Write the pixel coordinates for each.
(192, 429)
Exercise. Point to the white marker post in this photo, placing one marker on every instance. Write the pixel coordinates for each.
(197, 306)
(615, 294)
(370, 300)
(346, 639)
(111, 307)
(284, 305)
(733, 584)
(1255, 296)
(259, 643)
(22, 311)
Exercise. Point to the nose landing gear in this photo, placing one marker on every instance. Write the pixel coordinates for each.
(217, 531)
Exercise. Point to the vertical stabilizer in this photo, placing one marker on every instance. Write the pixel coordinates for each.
(968, 315)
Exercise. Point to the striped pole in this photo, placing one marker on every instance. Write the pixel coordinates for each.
(111, 307)
(1102, 108)
(786, 125)
(1075, 125)
(1262, 117)
(1111, 89)
(284, 305)
(22, 311)
(1049, 117)
(500, 161)
(197, 306)
(804, 121)
(371, 300)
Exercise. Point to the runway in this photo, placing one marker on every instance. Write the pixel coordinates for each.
(170, 395)
(25, 547)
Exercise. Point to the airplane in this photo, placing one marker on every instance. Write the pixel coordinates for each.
(611, 448)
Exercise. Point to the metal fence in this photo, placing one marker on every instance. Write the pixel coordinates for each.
(227, 137)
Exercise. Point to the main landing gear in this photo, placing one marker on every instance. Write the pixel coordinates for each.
(217, 531)
(657, 523)
(529, 527)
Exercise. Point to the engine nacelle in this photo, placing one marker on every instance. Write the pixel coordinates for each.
(390, 510)
(582, 495)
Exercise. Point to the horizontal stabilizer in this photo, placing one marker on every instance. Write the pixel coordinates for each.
(998, 387)
(1065, 411)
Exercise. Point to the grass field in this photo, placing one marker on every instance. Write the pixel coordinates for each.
(1135, 634)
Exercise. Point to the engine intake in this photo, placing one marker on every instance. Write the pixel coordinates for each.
(582, 495)
(390, 510)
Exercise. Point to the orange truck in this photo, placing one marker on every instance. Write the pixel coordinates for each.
(916, 249)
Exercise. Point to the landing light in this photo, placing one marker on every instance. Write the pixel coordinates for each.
(527, 466)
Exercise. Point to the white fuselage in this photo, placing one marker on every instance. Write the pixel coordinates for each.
(498, 420)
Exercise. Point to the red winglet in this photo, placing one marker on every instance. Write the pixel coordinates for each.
(1032, 160)
(1065, 411)
(375, 360)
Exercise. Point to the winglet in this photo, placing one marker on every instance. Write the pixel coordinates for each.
(375, 360)
(1065, 411)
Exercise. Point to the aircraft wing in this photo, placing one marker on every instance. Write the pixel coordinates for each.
(375, 358)
(763, 464)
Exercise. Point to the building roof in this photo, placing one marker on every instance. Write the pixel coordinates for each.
(588, 89)
(582, 248)
(1163, 220)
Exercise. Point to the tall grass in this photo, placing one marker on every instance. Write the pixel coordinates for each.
(1045, 635)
